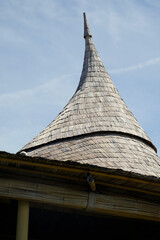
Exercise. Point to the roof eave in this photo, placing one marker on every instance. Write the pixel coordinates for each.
(73, 172)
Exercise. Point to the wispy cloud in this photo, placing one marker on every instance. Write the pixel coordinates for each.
(63, 82)
(135, 67)
(57, 86)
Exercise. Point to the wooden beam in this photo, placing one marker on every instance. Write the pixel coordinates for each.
(74, 198)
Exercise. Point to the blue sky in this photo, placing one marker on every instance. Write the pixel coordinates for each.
(42, 50)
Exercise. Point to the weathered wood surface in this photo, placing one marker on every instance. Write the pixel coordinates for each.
(96, 126)
(107, 151)
(64, 196)
(96, 106)
(114, 180)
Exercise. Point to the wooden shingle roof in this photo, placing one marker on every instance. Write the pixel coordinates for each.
(96, 126)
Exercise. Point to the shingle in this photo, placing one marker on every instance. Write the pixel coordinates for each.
(115, 152)
(95, 108)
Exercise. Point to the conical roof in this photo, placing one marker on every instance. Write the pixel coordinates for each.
(96, 126)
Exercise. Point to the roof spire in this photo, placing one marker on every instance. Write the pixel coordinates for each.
(96, 127)
(87, 32)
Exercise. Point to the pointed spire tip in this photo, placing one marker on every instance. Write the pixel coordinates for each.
(87, 32)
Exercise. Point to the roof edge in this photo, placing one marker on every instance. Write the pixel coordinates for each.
(149, 143)
(77, 167)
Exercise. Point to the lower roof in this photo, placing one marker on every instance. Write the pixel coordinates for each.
(110, 151)
(51, 172)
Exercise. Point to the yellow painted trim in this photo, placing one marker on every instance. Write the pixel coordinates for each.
(22, 220)
(82, 180)
(44, 173)
(79, 170)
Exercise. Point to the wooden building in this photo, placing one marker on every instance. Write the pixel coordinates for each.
(92, 171)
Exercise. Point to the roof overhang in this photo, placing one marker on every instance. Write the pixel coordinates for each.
(64, 184)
